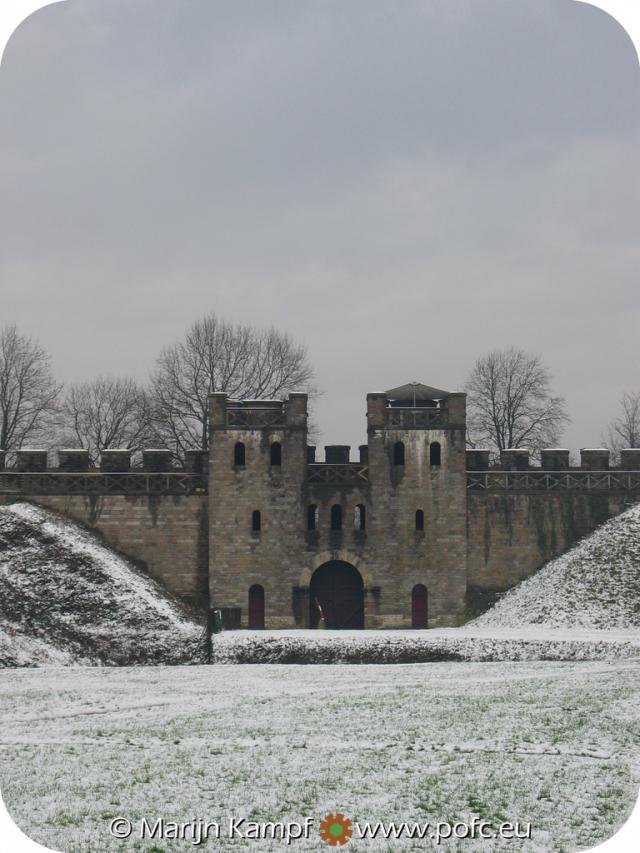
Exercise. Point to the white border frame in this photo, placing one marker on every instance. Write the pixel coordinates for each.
(12, 14)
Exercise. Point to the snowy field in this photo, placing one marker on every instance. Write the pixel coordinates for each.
(551, 744)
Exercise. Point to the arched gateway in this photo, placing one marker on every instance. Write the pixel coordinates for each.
(338, 588)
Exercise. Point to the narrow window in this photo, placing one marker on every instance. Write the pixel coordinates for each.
(398, 453)
(238, 455)
(312, 517)
(434, 453)
(360, 520)
(276, 453)
(256, 520)
(419, 606)
(256, 606)
(336, 517)
(419, 519)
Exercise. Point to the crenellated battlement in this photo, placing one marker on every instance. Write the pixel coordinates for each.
(553, 459)
(34, 472)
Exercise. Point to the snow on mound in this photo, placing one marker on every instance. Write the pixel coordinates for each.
(65, 598)
(594, 585)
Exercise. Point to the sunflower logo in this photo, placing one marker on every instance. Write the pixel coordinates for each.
(335, 829)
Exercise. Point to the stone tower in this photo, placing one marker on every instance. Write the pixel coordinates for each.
(417, 480)
(257, 465)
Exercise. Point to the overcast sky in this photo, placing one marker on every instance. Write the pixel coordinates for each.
(402, 185)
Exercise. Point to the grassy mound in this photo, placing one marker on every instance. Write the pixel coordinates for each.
(594, 585)
(65, 598)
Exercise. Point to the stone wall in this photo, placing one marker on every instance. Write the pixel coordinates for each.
(509, 536)
(166, 534)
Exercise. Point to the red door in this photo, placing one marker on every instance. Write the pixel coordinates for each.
(419, 601)
(256, 606)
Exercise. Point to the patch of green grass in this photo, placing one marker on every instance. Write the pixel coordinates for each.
(65, 819)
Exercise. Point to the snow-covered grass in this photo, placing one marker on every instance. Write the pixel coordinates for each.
(553, 744)
(594, 585)
(530, 738)
(65, 598)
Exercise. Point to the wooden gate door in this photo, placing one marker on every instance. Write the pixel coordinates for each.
(256, 606)
(339, 589)
(419, 606)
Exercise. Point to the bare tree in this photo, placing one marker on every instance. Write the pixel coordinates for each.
(244, 362)
(107, 412)
(624, 431)
(511, 404)
(28, 391)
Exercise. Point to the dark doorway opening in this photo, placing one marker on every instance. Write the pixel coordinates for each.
(419, 606)
(256, 606)
(338, 588)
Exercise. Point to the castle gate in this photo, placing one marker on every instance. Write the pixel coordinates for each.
(339, 589)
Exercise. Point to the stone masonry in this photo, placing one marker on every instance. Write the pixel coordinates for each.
(390, 554)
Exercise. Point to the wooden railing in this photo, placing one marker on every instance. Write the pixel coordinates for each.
(554, 481)
(256, 418)
(348, 472)
(184, 483)
(101, 483)
(416, 418)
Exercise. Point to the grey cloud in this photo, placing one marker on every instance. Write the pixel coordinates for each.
(402, 184)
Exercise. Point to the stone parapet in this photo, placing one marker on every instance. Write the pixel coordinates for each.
(554, 459)
(630, 459)
(28, 459)
(73, 459)
(156, 459)
(594, 459)
(115, 459)
(514, 459)
(337, 454)
(478, 460)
